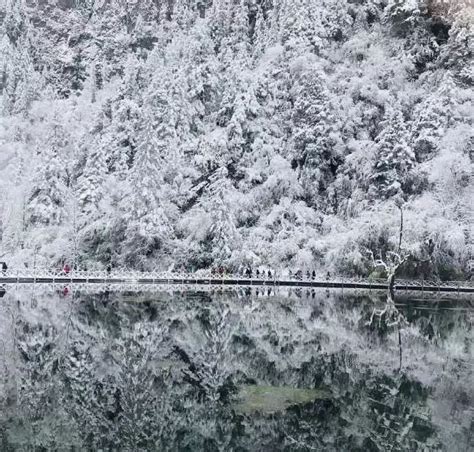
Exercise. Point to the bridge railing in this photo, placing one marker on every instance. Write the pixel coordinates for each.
(151, 276)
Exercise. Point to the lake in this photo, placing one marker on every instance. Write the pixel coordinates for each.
(233, 370)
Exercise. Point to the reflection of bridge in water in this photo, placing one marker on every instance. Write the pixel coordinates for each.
(207, 279)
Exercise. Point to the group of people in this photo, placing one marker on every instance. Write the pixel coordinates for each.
(298, 274)
(247, 272)
(67, 269)
(219, 271)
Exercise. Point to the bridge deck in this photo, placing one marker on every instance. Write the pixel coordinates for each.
(191, 279)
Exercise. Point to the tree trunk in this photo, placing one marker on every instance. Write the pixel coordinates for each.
(391, 285)
(401, 230)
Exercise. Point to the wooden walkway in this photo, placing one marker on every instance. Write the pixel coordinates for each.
(167, 278)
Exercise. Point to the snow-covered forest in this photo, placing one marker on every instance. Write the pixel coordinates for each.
(286, 133)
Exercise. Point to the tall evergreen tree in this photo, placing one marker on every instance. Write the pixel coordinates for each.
(316, 134)
(49, 192)
(457, 54)
(394, 157)
(148, 226)
(220, 203)
(91, 182)
(20, 83)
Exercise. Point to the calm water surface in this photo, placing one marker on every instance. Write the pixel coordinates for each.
(233, 371)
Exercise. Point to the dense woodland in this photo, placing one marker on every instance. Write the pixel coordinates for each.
(284, 133)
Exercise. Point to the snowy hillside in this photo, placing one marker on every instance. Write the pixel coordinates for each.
(286, 133)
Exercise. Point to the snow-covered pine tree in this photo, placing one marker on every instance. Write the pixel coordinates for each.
(46, 204)
(15, 20)
(148, 226)
(404, 13)
(219, 21)
(239, 131)
(91, 182)
(429, 124)
(120, 119)
(220, 202)
(177, 112)
(394, 156)
(20, 82)
(202, 79)
(261, 32)
(458, 53)
(235, 50)
(316, 135)
(433, 117)
(302, 25)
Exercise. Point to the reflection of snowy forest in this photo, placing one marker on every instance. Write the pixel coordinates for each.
(164, 373)
(199, 132)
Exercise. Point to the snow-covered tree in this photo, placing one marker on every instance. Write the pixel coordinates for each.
(20, 81)
(148, 225)
(316, 135)
(394, 157)
(46, 203)
(218, 205)
(430, 121)
(91, 182)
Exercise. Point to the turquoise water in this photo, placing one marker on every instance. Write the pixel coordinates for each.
(233, 371)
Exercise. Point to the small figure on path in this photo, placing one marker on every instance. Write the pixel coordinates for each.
(257, 273)
(308, 275)
(109, 269)
(67, 269)
(328, 276)
(269, 274)
(313, 275)
(4, 268)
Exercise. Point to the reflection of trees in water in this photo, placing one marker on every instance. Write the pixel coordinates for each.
(115, 390)
(162, 373)
(203, 339)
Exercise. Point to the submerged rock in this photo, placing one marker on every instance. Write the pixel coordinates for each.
(270, 399)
